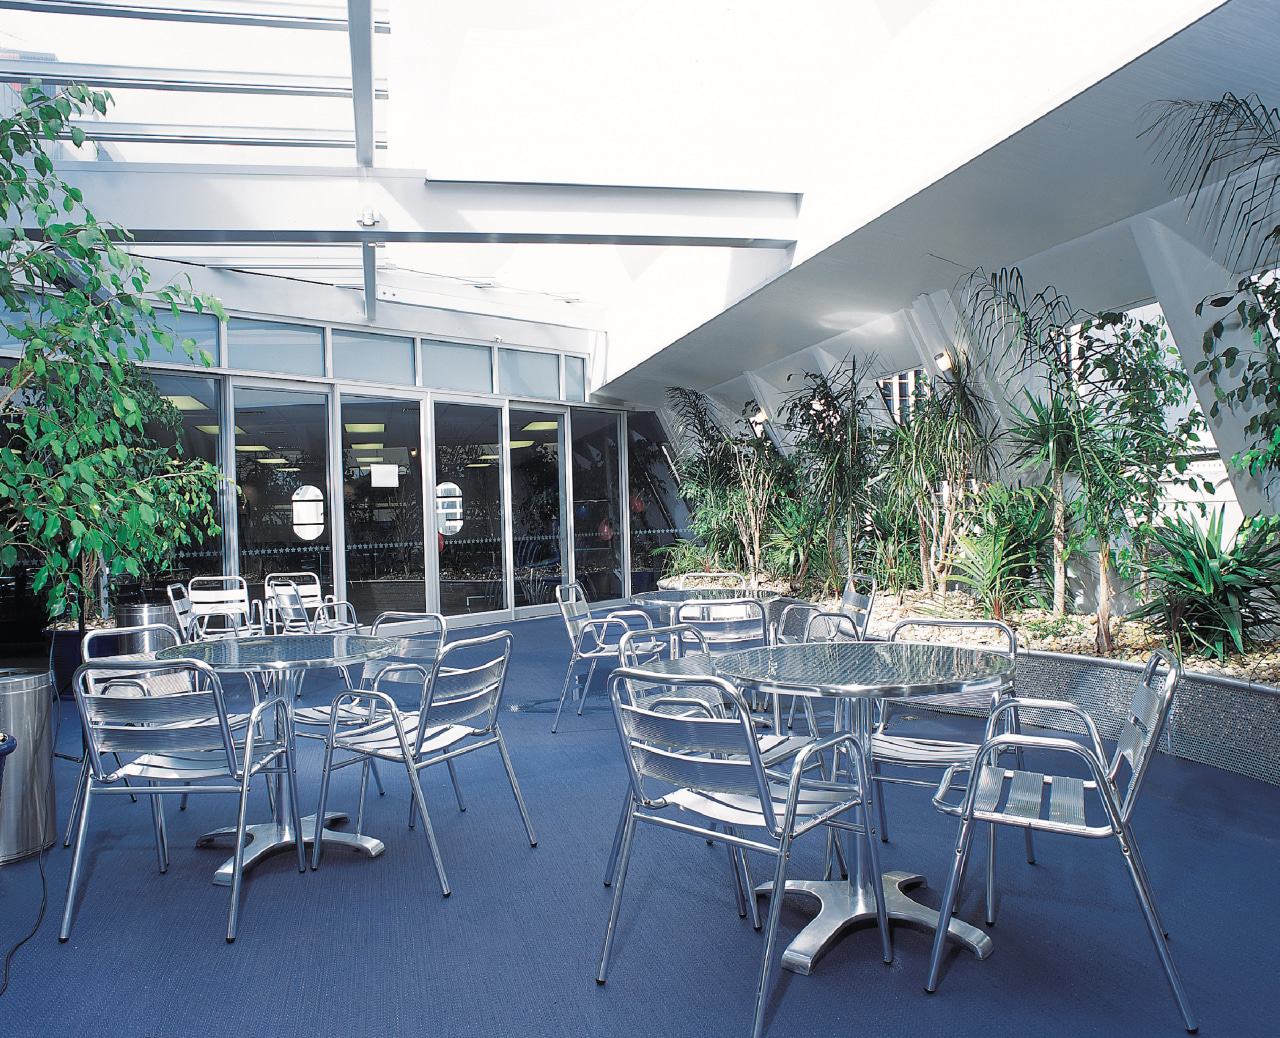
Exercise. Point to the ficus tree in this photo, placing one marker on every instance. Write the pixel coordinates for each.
(83, 490)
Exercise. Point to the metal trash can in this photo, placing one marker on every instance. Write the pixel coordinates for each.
(27, 807)
(137, 616)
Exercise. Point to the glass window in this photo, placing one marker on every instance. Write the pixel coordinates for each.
(523, 373)
(285, 510)
(537, 490)
(197, 436)
(658, 515)
(454, 365)
(382, 505)
(468, 505)
(201, 327)
(268, 346)
(596, 503)
(575, 378)
(372, 358)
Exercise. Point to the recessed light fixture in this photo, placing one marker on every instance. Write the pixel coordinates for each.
(212, 430)
(252, 449)
(541, 426)
(186, 403)
(366, 461)
(365, 427)
(516, 444)
(273, 461)
(365, 447)
(478, 465)
(489, 457)
(291, 470)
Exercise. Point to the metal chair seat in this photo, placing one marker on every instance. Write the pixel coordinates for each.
(906, 751)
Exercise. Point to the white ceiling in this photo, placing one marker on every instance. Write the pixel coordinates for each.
(1053, 199)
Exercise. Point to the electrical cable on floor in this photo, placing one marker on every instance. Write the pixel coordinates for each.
(48, 795)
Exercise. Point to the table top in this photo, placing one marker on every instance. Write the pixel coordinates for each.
(873, 670)
(283, 652)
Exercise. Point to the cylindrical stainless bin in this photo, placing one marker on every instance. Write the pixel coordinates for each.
(137, 616)
(27, 815)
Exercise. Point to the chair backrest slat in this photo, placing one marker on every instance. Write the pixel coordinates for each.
(575, 609)
(727, 624)
(418, 638)
(709, 774)
(1139, 736)
(856, 601)
(461, 689)
(307, 584)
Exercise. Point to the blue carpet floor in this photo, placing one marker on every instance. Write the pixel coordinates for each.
(369, 947)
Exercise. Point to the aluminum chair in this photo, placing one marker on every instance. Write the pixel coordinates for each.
(221, 608)
(418, 638)
(913, 753)
(714, 765)
(175, 743)
(182, 610)
(727, 624)
(321, 613)
(592, 638)
(857, 600)
(1057, 804)
(458, 714)
(90, 647)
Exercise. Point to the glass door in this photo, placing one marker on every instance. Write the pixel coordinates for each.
(537, 504)
(284, 505)
(469, 509)
(382, 505)
(597, 498)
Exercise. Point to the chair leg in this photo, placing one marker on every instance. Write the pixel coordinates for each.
(752, 900)
(364, 788)
(771, 932)
(295, 807)
(77, 801)
(877, 794)
(1146, 899)
(739, 897)
(77, 859)
(515, 786)
(873, 856)
(586, 685)
(991, 873)
(564, 691)
(457, 790)
(612, 865)
(619, 882)
(1146, 879)
(318, 844)
(237, 860)
(377, 779)
(949, 897)
(157, 823)
(426, 823)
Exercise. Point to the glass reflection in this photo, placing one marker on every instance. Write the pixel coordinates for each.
(536, 496)
(468, 455)
(597, 546)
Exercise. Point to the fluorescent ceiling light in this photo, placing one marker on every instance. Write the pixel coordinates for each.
(186, 403)
(515, 444)
(291, 470)
(489, 457)
(366, 461)
(273, 461)
(253, 449)
(478, 465)
(365, 427)
(365, 447)
(541, 426)
(212, 430)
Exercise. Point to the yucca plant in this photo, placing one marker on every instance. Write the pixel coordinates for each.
(1213, 595)
(991, 568)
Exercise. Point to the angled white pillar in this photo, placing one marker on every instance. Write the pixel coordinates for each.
(1183, 274)
(360, 36)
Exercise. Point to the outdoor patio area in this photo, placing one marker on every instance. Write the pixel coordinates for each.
(368, 946)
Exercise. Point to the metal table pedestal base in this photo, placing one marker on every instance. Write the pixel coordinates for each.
(844, 905)
(269, 838)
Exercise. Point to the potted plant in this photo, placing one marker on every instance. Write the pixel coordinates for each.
(84, 492)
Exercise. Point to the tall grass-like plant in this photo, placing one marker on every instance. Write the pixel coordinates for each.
(1212, 595)
(991, 568)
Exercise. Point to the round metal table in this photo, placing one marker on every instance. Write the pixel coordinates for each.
(282, 661)
(854, 675)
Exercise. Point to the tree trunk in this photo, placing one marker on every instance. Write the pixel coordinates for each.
(926, 574)
(1059, 546)
(1103, 639)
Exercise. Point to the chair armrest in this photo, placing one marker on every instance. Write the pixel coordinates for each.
(333, 608)
(396, 668)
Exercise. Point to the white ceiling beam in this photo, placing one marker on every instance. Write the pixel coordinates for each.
(245, 136)
(360, 38)
(369, 258)
(230, 12)
(289, 205)
(116, 77)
